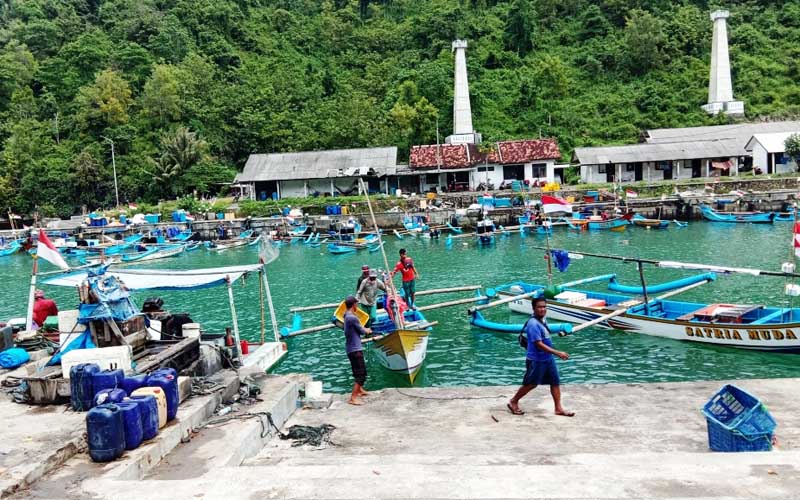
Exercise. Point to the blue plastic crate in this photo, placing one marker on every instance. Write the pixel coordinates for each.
(738, 421)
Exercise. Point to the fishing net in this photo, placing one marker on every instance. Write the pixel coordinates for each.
(267, 251)
(307, 434)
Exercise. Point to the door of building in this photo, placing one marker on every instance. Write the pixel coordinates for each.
(668, 171)
(697, 168)
(637, 171)
(611, 169)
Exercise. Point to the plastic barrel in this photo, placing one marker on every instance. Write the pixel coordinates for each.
(168, 371)
(106, 396)
(107, 379)
(132, 422)
(106, 432)
(161, 402)
(130, 384)
(169, 384)
(148, 411)
(80, 386)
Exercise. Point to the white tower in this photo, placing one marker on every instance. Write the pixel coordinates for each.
(720, 88)
(462, 111)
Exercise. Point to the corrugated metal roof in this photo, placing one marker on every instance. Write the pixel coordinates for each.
(659, 152)
(740, 131)
(773, 143)
(319, 164)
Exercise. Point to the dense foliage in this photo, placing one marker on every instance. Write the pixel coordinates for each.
(185, 90)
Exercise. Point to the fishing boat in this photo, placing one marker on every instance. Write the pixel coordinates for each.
(485, 231)
(454, 229)
(743, 326)
(182, 235)
(96, 261)
(639, 220)
(414, 224)
(616, 224)
(341, 249)
(399, 349)
(154, 253)
(784, 217)
(576, 224)
(10, 248)
(737, 217)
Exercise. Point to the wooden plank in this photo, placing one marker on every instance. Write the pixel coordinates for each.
(151, 362)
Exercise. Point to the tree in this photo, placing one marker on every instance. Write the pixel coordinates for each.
(644, 40)
(792, 145)
(520, 27)
(161, 98)
(180, 152)
(105, 103)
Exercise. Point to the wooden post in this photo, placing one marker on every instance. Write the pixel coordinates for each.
(235, 321)
(644, 287)
(31, 295)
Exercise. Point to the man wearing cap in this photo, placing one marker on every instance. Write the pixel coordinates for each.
(364, 275)
(42, 309)
(355, 350)
(367, 294)
(409, 273)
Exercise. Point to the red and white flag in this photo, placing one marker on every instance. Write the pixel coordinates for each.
(630, 193)
(47, 251)
(551, 204)
(797, 239)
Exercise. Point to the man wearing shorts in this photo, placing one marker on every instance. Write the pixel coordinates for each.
(355, 351)
(409, 273)
(540, 365)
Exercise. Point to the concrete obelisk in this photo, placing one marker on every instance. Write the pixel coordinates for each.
(463, 132)
(720, 88)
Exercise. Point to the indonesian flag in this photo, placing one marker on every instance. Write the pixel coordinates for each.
(630, 193)
(47, 251)
(552, 204)
(797, 239)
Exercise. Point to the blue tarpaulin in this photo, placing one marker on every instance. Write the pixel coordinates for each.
(82, 342)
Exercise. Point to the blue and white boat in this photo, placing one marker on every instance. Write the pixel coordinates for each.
(737, 217)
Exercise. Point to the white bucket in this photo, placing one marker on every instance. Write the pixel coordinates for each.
(398, 192)
(313, 389)
(191, 330)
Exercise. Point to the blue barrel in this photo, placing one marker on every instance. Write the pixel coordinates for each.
(132, 421)
(130, 384)
(169, 385)
(106, 433)
(165, 371)
(80, 386)
(105, 396)
(148, 410)
(337, 209)
(107, 379)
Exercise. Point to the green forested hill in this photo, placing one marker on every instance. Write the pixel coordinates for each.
(186, 89)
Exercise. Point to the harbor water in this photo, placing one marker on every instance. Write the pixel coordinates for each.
(459, 354)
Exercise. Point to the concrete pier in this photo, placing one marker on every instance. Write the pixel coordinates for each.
(626, 441)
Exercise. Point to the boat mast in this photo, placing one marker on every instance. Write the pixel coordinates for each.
(399, 320)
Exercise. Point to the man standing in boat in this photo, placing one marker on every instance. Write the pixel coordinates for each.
(409, 273)
(355, 350)
(540, 366)
(367, 294)
(364, 275)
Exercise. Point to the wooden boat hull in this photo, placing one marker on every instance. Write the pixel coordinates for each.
(158, 254)
(651, 223)
(774, 337)
(402, 351)
(617, 224)
(737, 217)
(338, 249)
(232, 244)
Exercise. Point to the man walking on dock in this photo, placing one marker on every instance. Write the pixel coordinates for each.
(540, 365)
(355, 350)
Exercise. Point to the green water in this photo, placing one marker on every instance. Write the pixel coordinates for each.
(459, 354)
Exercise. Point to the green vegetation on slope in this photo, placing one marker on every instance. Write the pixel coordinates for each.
(187, 89)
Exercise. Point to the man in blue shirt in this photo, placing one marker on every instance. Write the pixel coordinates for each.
(355, 351)
(540, 365)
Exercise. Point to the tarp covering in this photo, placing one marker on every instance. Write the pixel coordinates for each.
(163, 279)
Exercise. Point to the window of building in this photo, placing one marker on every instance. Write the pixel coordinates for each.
(538, 170)
(485, 169)
(601, 169)
(431, 178)
(663, 165)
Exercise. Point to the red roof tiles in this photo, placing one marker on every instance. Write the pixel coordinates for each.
(467, 155)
